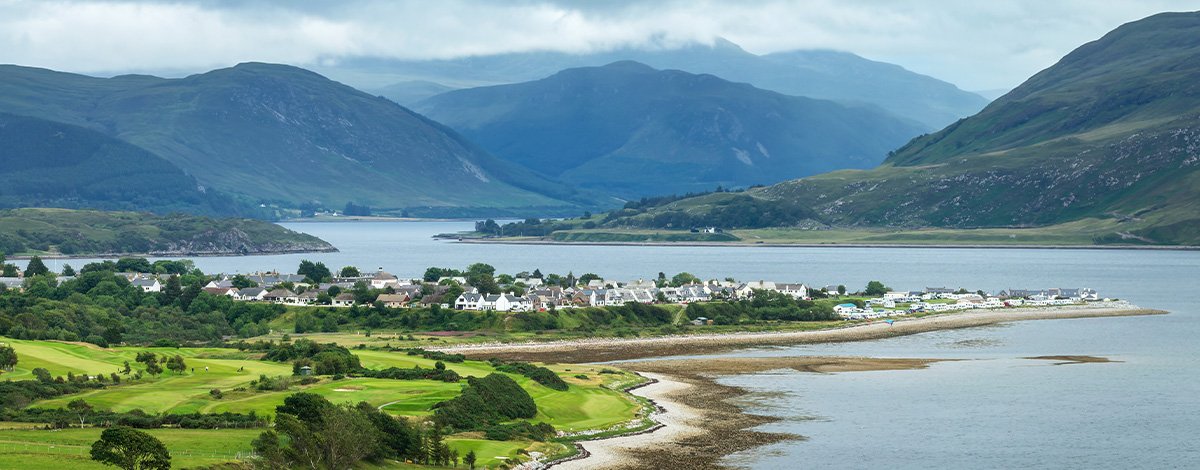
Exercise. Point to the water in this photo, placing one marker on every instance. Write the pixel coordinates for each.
(993, 409)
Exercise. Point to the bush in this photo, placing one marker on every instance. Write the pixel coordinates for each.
(541, 375)
(488, 401)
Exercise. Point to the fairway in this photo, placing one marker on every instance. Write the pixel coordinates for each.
(587, 404)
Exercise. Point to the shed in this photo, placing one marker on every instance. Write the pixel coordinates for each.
(306, 370)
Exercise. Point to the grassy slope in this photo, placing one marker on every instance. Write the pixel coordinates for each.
(107, 229)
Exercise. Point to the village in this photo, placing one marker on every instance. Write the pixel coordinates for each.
(522, 294)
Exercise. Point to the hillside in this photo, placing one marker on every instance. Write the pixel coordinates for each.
(51, 164)
(838, 76)
(630, 130)
(279, 133)
(1108, 139)
(90, 232)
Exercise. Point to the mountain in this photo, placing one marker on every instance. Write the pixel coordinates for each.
(822, 74)
(631, 131)
(283, 134)
(92, 232)
(45, 163)
(1106, 141)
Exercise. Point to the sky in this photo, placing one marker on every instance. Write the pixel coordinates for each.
(976, 45)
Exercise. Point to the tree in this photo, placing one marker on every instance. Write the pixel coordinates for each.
(42, 375)
(537, 274)
(67, 270)
(242, 282)
(485, 283)
(480, 268)
(683, 278)
(349, 271)
(841, 289)
(8, 358)
(314, 272)
(469, 459)
(875, 289)
(588, 277)
(81, 409)
(130, 449)
(176, 364)
(36, 267)
(172, 290)
(153, 368)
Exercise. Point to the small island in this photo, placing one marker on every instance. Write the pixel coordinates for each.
(66, 233)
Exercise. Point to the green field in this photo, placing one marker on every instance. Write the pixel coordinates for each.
(586, 405)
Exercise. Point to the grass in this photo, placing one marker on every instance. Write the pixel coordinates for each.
(588, 404)
(68, 448)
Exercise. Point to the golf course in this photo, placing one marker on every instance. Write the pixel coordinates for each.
(587, 404)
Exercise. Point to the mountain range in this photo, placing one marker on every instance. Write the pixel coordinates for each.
(1109, 134)
(276, 133)
(629, 130)
(822, 74)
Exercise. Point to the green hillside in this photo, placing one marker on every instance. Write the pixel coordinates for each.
(51, 164)
(279, 133)
(630, 130)
(1104, 145)
(79, 232)
(1110, 132)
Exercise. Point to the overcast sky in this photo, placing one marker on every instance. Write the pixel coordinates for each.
(975, 45)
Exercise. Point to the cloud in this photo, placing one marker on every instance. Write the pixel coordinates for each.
(976, 45)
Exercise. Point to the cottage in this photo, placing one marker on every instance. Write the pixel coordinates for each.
(251, 293)
(393, 300)
(796, 291)
(147, 285)
(344, 299)
(280, 296)
(308, 297)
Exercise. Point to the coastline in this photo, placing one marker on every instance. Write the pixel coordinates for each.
(699, 425)
(838, 245)
(624, 349)
(172, 254)
(700, 421)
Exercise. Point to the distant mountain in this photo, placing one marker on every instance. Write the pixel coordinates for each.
(51, 164)
(823, 74)
(630, 130)
(1111, 132)
(280, 133)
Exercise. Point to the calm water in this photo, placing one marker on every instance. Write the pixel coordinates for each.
(991, 410)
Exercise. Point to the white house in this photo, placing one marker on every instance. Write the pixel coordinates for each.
(468, 302)
(797, 291)
(148, 285)
(344, 299)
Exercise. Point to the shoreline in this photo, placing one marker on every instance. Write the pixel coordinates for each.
(331, 249)
(698, 424)
(700, 421)
(622, 349)
(839, 245)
